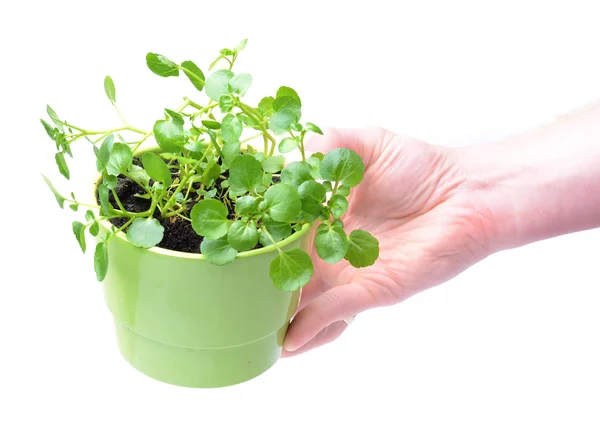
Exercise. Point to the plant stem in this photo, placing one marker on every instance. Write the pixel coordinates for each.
(119, 112)
(301, 146)
(263, 229)
(250, 113)
(119, 202)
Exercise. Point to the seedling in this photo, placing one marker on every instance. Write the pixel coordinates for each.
(207, 176)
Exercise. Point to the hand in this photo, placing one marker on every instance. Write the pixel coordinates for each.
(416, 201)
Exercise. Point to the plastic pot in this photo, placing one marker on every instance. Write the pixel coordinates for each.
(184, 321)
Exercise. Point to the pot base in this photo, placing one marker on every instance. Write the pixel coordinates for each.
(199, 367)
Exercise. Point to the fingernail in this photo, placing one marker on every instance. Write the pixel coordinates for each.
(290, 347)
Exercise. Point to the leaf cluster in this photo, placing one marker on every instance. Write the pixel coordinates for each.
(237, 197)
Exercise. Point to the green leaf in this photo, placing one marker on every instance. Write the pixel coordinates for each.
(105, 206)
(277, 230)
(211, 173)
(231, 128)
(363, 249)
(226, 52)
(109, 88)
(296, 173)
(282, 202)
(110, 181)
(245, 174)
(215, 125)
(226, 103)
(338, 205)
(101, 261)
(331, 243)
(344, 166)
(281, 121)
(338, 223)
(139, 175)
(103, 155)
(161, 65)
(230, 151)
(62, 164)
(288, 103)
(49, 129)
(95, 227)
(343, 190)
(266, 105)
(312, 195)
(120, 159)
(169, 134)
(74, 207)
(145, 233)
(79, 231)
(157, 169)
(246, 205)
(240, 83)
(291, 270)
(217, 84)
(328, 186)
(194, 74)
(242, 235)
(218, 252)
(273, 164)
(209, 218)
(241, 45)
(54, 117)
(59, 198)
(297, 127)
(314, 128)
(288, 145)
(287, 91)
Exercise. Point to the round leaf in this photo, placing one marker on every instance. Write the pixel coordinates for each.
(101, 261)
(245, 174)
(363, 249)
(209, 218)
(246, 205)
(331, 243)
(287, 91)
(287, 145)
(240, 83)
(161, 65)
(230, 151)
(103, 155)
(156, 168)
(194, 74)
(218, 251)
(338, 205)
(312, 195)
(120, 159)
(266, 105)
(217, 84)
(145, 233)
(242, 235)
(344, 166)
(231, 128)
(291, 270)
(169, 134)
(296, 173)
(282, 202)
(281, 121)
(109, 88)
(273, 164)
(288, 103)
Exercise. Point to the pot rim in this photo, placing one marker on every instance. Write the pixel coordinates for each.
(197, 256)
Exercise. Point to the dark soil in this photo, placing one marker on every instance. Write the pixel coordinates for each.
(179, 234)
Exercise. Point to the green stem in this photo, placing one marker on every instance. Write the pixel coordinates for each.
(125, 225)
(251, 113)
(119, 202)
(263, 229)
(301, 146)
(119, 112)
(252, 137)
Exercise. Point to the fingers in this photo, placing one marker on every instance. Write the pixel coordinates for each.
(337, 304)
(329, 334)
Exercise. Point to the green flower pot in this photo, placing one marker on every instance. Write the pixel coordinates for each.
(184, 321)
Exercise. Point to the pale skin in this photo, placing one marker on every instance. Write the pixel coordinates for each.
(437, 210)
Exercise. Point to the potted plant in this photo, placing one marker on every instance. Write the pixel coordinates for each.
(201, 240)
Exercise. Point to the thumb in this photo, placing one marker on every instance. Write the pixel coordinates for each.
(363, 141)
(339, 303)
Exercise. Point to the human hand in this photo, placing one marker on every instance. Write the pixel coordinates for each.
(416, 201)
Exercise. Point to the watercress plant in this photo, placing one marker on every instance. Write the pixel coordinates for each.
(236, 198)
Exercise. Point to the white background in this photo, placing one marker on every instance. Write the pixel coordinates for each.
(515, 337)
